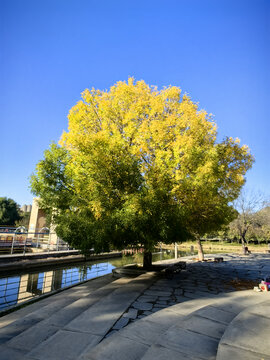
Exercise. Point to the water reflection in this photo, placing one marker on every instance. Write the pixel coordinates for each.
(16, 289)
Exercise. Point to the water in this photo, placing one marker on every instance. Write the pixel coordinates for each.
(16, 289)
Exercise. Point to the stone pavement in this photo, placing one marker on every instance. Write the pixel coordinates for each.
(191, 330)
(200, 280)
(247, 336)
(145, 317)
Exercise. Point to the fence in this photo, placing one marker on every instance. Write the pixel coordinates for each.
(21, 241)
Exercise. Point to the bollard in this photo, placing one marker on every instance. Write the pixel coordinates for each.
(12, 246)
(49, 242)
(24, 245)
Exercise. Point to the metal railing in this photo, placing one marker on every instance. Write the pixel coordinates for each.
(22, 241)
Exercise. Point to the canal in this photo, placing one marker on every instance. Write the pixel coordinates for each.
(17, 288)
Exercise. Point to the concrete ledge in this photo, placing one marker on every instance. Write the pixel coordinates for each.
(134, 270)
(128, 270)
(15, 263)
(38, 255)
(248, 334)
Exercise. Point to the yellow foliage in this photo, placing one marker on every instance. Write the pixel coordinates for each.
(172, 141)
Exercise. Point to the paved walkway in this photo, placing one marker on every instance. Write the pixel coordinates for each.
(188, 317)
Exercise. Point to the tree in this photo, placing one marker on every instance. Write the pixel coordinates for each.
(252, 218)
(9, 211)
(117, 212)
(262, 232)
(139, 166)
(24, 219)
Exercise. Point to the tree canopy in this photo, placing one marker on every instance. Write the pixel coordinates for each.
(139, 165)
(9, 212)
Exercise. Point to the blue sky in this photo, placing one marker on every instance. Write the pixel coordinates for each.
(50, 51)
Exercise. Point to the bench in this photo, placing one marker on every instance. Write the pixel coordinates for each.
(174, 269)
(247, 252)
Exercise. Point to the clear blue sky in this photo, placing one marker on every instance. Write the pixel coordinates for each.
(217, 51)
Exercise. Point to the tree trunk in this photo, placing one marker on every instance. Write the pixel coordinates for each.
(244, 248)
(147, 259)
(200, 249)
(243, 242)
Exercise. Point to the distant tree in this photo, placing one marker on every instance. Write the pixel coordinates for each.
(139, 166)
(24, 220)
(252, 218)
(9, 212)
(262, 232)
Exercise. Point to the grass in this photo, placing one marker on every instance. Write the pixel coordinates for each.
(218, 246)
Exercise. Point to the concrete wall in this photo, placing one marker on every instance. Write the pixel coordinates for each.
(37, 219)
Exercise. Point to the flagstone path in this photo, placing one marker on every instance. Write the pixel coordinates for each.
(202, 313)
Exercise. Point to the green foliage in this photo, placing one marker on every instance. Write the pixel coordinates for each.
(251, 224)
(9, 212)
(251, 221)
(24, 221)
(130, 213)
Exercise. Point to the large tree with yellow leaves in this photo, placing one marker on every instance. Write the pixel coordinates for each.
(138, 166)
